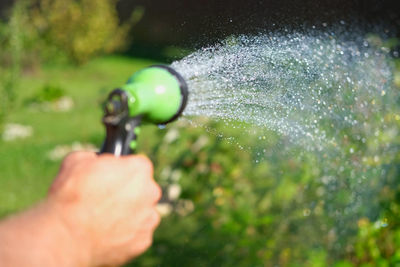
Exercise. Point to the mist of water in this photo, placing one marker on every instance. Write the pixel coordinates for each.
(295, 84)
(328, 92)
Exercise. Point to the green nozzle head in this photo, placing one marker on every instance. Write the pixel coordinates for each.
(157, 93)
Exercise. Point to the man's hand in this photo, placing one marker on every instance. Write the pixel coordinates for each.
(100, 209)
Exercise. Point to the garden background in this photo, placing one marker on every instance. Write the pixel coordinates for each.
(222, 206)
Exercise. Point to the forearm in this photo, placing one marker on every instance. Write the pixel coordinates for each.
(38, 237)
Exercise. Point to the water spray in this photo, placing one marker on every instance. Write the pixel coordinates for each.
(155, 95)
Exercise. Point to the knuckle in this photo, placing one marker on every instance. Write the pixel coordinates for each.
(107, 156)
(147, 243)
(156, 192)
(142, 245)
(156, 218)
(144, 163)
(77, 156)
(70, 158)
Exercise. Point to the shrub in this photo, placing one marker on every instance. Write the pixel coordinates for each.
(82, 29)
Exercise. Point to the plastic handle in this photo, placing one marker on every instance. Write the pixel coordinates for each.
(120, 128)
(121, 137)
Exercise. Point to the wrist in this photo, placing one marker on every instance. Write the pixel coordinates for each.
(39, 237)
(75, 249)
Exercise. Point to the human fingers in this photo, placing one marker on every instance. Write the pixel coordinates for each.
(67, 166)
(140, 163)
(144, 237)
(76, 157)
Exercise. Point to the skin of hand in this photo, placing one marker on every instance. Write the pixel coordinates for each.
(100, 211)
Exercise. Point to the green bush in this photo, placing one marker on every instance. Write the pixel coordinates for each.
(77, 30)
(82, 29)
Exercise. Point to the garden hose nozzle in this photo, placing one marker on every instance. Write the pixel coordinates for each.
(157, 95)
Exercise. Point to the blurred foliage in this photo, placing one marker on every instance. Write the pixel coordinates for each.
(277, 212)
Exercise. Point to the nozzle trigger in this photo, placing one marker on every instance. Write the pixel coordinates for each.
(121, 130)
